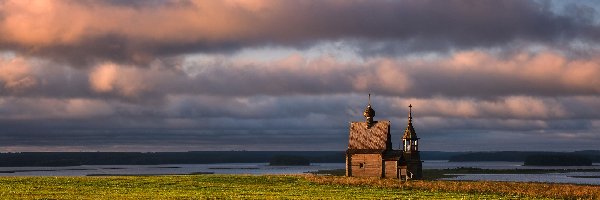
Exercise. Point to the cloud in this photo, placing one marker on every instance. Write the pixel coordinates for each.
(461, 74)
(123, 80)
(126, 81)
(474, 74)
(86, 32)
(477, 73)
(205, 121)
(16, 74)
(512, 107)
(103, 78)
(52, 109)
(283, 74)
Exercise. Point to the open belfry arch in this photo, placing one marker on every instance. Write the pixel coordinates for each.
(370, 152)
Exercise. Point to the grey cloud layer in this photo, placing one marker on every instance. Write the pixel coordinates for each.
(173, 75)
(474, 74)
(302, 122)
(84, 32)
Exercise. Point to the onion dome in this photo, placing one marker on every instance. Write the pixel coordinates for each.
(369, 113)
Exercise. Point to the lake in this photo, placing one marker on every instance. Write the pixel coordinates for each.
(221, 168)
(264, 168)
(571, 177)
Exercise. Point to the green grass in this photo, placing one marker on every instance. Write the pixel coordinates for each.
(208, 186)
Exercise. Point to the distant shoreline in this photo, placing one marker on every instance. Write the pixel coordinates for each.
(72, 159)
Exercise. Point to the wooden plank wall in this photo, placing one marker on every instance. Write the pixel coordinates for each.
(391, 169)
(372, 165)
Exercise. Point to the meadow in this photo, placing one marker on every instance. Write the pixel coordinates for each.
(276, 187)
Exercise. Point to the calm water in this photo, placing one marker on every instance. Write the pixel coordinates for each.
(224, 168)
(444, 164)
(264, 168)
(548, 178)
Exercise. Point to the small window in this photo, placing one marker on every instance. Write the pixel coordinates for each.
(361, 165)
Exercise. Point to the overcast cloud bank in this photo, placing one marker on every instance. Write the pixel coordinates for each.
(265, 75)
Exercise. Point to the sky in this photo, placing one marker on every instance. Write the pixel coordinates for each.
(196, 75)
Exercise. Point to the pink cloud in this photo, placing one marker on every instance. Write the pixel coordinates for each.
(126, 81)
(16, 74)
(512, 107)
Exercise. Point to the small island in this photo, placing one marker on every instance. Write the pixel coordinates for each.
(557, 160)
(289, 160)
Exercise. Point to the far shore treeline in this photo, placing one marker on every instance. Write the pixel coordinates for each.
(521, 156)
(155, 158)
(207, 157)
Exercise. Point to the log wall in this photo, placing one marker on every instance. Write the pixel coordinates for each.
(391, 169)
(366, 165)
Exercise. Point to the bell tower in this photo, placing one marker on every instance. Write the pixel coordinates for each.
(410, 148)
(410, 139)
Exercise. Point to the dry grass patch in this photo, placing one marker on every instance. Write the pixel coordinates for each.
(536, 190)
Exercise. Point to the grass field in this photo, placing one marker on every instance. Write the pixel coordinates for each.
(249, 187)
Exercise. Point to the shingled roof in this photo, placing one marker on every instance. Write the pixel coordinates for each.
(377, 136)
